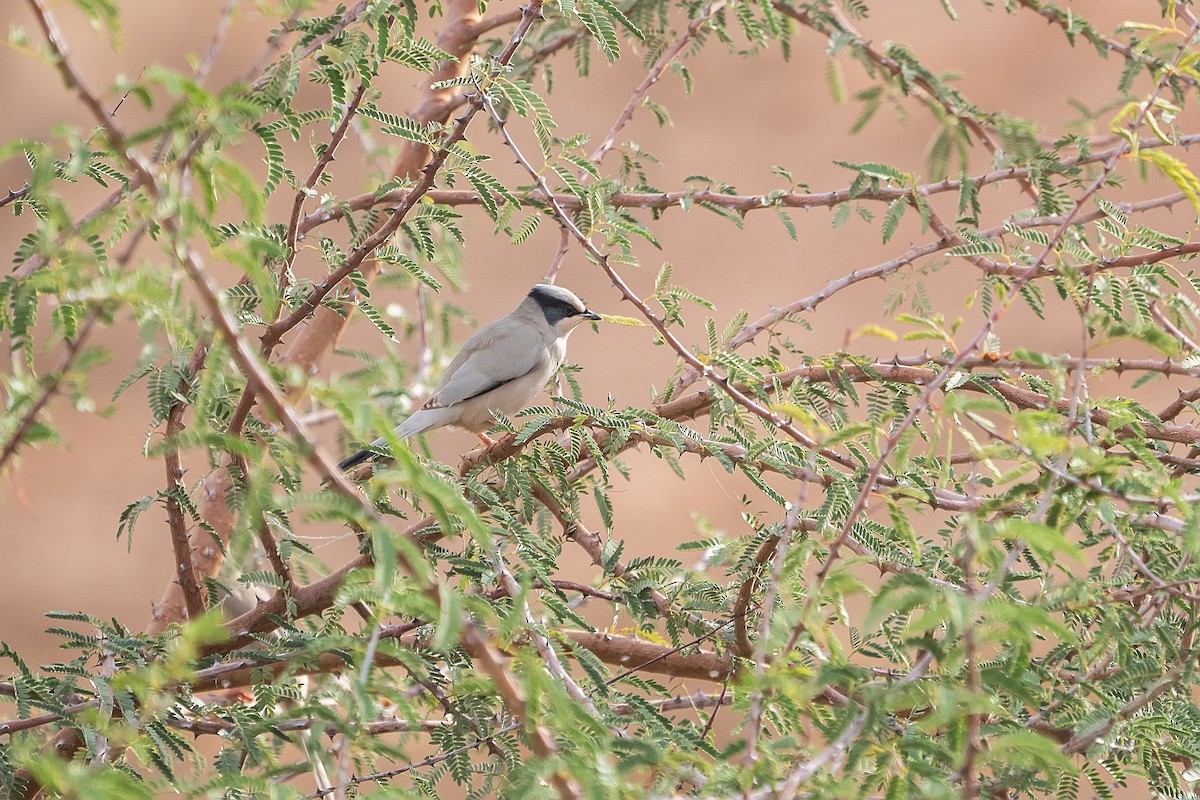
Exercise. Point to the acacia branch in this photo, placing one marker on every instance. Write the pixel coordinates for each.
(13, 195)
(778, 314)
(485, 655)
(741, 203)
(541, 643)
(185, 571)
(303, 193)
(652, 77)
(920, 86)
(49, 389)
(1056, 17)
(759, 653)
(893, 439)
(397, 215)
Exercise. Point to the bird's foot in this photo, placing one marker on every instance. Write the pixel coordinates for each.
(487, 440)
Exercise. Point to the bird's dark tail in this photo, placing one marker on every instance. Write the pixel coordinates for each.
(356, 459)
(378, 448)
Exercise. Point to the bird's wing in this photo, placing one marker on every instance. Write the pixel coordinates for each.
(498, 353)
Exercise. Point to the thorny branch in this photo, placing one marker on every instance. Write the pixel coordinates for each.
(734, 202)
(192, 592)
(918, 408)
(319, 595)
(479, 647)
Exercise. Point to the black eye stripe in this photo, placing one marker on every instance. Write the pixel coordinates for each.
(554, 306)
(566, 309)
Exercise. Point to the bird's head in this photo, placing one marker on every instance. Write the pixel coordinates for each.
(561, 308)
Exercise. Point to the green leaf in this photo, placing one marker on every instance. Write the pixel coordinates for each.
(1177, 171)
(891, 219)
(370, 312)
(601, 29)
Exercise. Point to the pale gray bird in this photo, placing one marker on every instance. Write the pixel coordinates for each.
(501, 368)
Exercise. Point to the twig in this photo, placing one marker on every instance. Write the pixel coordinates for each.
(271, 550)
(893, 439)
(1171, 328)
(1082, 741)
(497, 20)
(720, 701)
(275, 332)
(303, 193)
(217, 42)
(759, 653)
(425, 762)
(589, 540)
(1055, 17)
(832, 754)
(564, 244)
(743, 203)
(972, 742)
(193, 595)
(49, 389)
(915, 83)
(348, 18)
(14, 195)
(545, 650)
(652, 77)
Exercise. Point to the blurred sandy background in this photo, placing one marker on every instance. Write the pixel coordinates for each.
(59, 507)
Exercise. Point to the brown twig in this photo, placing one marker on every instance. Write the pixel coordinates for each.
(741, 203)
(752, 329)
(915, 83)
(897, 433)
(831, 755)
(589, 540)
(741, 606)
(220, 33)
(541, 643)
(271, 550)
(1056, 17)
(972, 742)
(303, 193)
(429, 761)
(652, 77)
(193, 594)
(275, 332)
(759, 653)
(49, 389)
(497, 20)
(13, 195)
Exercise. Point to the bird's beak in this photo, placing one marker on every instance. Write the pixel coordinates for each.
(591, 315)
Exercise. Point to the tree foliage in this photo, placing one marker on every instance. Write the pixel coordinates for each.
(964, 571)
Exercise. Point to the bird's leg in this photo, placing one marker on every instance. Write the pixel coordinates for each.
(487, 440)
